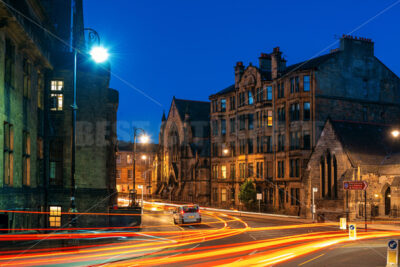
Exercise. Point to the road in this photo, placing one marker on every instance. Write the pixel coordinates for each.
(221, 240)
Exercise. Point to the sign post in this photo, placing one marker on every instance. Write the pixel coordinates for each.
(393, 253)
(352, 232)
(357, 185)
(259, 197)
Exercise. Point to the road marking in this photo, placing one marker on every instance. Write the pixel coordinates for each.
(253, 252)
(252, 237)
(311, 259)
(194, 247)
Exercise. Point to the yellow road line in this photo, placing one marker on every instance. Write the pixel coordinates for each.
(311, 259)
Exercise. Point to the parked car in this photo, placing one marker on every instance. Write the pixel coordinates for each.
(187, 214)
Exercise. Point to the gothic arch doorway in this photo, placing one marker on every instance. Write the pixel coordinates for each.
(387, 201)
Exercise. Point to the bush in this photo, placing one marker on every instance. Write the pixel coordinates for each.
(247, 194)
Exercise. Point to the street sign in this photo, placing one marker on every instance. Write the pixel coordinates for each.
(315, 189)
(393, 253)
(140, 186)
(352, 232)
(342, 225)
(355, 185)
(259, 196)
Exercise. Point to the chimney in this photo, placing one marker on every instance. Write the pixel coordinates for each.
(278, 64)
(357, 46)
(239, 69)
(265, 62)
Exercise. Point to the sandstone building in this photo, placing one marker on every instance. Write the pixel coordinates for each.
(353, 151)
(266, 124)
(184, 158)
(145, 156)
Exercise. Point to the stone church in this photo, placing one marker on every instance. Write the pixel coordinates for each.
(184, 156)
(354, 151)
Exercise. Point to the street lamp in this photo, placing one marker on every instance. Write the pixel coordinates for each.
(98, 55)
(395, 133)
(143, 139)
(226, 151)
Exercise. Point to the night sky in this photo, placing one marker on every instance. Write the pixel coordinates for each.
(188, 48)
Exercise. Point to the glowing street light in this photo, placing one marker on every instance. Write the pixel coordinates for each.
(144, 139)
(225, 151)
(144, 157)
(395, 133)
(99, 54)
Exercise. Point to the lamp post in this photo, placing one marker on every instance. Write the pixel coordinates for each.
(99, 55)
(144, 139)
(226, 152)
(314, 190)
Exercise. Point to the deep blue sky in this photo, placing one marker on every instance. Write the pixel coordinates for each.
(187, 49)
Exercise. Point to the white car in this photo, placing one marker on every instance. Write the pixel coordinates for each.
(187, 214)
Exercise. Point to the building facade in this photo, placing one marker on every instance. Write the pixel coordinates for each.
(353, 151)
(36, 118)
(145, 157)
(265, 125)
(24, 62)
(183, 167)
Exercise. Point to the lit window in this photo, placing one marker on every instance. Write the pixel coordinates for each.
(223, 172)
(56, 96)
(269, 122)
(55, 216)
(223, 195)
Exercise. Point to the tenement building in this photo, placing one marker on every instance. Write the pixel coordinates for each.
(36, 118)
(184, 158)
(265, 126)
(354, 151)
(143, 178)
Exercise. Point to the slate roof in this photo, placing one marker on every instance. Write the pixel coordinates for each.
(198, 110)
(367, 143)
(228, 89)
(309, 64)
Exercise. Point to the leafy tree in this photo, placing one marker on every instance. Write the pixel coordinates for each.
(247, 193)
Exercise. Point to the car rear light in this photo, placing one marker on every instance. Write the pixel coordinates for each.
(182, 212)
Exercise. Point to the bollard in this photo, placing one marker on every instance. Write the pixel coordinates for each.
(352, 232)
(393, 253)
(343, 224)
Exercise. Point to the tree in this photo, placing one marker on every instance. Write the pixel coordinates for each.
(247, 193)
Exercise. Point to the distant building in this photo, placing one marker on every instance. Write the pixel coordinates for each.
(352, 151)
(36, 118)
(145, 156)
(268, 122)
(183, 167)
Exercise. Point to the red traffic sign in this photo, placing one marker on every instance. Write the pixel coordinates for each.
(355, 185)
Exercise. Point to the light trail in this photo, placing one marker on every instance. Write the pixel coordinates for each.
(170, 246)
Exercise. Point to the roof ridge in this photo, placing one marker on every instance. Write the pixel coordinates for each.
(363, 122)
(188, 100)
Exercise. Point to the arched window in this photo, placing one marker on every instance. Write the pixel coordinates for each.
(329, 173)
(335, 188)
(322, 175)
